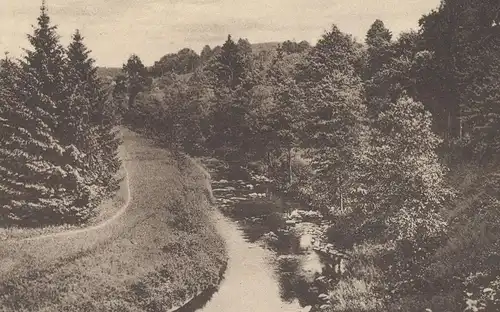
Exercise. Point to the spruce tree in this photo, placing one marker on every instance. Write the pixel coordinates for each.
(227, 67)
(45, 183)
(45, 62)
(379, 54)
(95, 134)
(39, 185)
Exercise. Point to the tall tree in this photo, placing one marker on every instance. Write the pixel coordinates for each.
(45, 92)
(206, 54)
(47, 181)
(45, 62)
(137, 78)
(231, 84)
(407, 185)
(228, 66)
(460, 34)
(40, 178)
(379, 54)
(336, 128)
(96, 135)
(284, 114)
(80, 71)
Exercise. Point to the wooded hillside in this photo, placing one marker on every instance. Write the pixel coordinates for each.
(380, 136)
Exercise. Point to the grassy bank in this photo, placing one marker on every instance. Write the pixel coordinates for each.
(158, 253)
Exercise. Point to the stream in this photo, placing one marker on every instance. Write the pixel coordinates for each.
(250, 282)
(272, 263)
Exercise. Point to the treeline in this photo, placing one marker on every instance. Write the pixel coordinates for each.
(58, 150)
(366, 133)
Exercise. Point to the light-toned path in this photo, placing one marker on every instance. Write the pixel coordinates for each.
(101, 225)
(250, 283)
(125, 193)
(95, 268)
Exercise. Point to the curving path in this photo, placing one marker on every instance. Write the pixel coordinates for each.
(250, 284)
(95, 268)
(101, 225)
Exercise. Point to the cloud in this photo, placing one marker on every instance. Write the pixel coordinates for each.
(198, 2)
(228, 26)
(114, 29)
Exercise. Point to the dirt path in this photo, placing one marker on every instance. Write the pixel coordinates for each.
(95, 268)
(127, 198)
(101, 225)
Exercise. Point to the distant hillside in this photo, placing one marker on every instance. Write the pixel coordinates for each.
(108, 73)
(264, 46)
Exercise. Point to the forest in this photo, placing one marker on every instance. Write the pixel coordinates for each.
(394, 140)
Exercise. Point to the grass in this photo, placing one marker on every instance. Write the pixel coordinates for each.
(162, 250)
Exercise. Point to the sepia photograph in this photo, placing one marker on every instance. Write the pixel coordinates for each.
(249, 156)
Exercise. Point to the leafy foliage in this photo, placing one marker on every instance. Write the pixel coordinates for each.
(183, 62)
(364, 133)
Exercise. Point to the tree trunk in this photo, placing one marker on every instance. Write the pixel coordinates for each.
(460, 122)
(341, 195)
(268, 169)
(290, 165)
(448, 136)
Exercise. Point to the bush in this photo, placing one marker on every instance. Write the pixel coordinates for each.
(347, 230)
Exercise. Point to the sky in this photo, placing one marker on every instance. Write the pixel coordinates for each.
(115, 29)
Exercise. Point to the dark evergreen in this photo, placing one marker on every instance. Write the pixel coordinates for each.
(54, 134)
(95, 132)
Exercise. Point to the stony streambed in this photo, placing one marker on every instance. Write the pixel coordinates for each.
(281, 245)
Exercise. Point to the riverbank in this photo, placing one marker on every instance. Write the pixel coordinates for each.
(304, 267)
(160, 252)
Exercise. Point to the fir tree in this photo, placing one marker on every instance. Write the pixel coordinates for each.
(95, 133)
(39, 184)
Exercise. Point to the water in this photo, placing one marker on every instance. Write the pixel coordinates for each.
(251, 283)
(272, 266)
